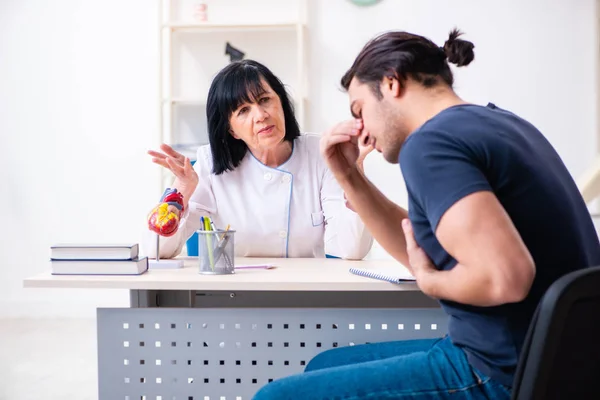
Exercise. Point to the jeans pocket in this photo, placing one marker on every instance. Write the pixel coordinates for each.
(496, 388)
(480, 378)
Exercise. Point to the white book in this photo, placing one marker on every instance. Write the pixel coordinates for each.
(94, 251)
(396, 274)
(100, 267)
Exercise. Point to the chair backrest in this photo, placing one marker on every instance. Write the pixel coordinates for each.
(560, 358)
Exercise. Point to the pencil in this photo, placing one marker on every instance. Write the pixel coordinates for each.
(224, 233)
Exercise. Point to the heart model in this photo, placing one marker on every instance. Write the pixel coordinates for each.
(164, 218)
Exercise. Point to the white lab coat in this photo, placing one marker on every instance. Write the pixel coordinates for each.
(294, 210)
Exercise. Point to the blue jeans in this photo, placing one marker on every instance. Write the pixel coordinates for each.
(414, 369)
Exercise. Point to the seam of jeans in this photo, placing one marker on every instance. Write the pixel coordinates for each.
(375, 395)
(479, 383)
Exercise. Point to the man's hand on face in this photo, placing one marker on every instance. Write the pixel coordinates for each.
(364, 147)
(340, 149)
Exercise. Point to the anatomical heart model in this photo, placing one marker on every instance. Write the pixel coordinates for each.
(164, 218)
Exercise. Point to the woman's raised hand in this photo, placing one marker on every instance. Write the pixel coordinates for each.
(186, 179)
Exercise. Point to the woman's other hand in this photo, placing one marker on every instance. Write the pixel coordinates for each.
(186, 179)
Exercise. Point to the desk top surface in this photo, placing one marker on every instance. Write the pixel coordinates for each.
(291, 274)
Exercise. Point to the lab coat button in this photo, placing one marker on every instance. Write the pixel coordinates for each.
(286, 179)
(268, 176)
(282, 234)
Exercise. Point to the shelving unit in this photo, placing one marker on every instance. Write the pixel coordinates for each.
(192, 52)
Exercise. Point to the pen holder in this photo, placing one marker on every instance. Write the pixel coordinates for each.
(216, 252)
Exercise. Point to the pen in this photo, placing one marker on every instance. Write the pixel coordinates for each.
(215, 230)
(255, 266)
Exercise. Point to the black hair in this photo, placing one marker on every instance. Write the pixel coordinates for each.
(402, 55)
(238, 83)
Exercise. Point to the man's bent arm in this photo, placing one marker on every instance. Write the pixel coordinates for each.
(382, 217)
(494, 265)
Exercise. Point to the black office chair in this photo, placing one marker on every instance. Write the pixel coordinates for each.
(560, 358)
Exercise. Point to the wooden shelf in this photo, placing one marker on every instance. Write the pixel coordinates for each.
(214, 27)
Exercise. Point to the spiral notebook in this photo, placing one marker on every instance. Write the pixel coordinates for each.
(396, 274)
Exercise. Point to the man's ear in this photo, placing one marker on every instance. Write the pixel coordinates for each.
(391, 86)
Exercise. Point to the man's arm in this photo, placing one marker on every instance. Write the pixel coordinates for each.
(494, 265)
(346, 236)
(382, 217)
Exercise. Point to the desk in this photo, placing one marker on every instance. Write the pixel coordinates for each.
(188, 336)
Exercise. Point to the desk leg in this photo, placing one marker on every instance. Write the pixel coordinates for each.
(161, 298)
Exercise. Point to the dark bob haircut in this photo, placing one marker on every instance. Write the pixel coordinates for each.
(402, 55)
(238, 83)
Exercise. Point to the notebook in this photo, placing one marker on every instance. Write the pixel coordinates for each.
(100, 267)
(124, 251)
(397, 274)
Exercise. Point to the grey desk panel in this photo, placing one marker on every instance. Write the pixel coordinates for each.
(283, 299)
(229, 353)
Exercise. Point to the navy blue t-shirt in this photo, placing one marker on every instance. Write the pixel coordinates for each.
(470, 148)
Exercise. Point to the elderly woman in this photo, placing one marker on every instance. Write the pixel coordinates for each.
(261, 176)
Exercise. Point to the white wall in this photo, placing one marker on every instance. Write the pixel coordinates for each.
(78, 104)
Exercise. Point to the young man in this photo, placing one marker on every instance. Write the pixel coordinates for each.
(494, 218)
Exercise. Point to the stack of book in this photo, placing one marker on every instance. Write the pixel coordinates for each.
(82, 259)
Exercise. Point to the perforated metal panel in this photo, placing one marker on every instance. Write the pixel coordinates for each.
(228, 354)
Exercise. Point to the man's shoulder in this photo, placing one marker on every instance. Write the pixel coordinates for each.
(462, 128)
(429, 141)
(465, 118)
